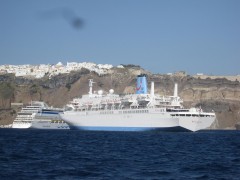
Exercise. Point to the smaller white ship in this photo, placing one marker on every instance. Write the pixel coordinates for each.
(39, 115)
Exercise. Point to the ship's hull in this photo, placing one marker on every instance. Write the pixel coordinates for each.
(48, 121)
(40, 125)
(21, 125)
(196, 123)
(115, 121)
(42, 122)
(129, 129)
(48, 124)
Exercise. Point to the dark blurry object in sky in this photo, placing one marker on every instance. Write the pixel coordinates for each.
(65, 13)
(70, 16)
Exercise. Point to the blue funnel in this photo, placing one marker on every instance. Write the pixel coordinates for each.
(141, 84)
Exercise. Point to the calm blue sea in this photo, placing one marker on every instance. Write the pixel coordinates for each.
(73, 154)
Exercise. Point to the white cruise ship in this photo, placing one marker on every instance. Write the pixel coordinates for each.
(39, 115)
(136, 112)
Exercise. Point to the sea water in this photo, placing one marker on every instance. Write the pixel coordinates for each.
(72, 154)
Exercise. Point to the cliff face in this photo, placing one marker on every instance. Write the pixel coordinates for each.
(220, 95)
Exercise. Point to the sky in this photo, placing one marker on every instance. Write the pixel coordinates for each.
(162, 36)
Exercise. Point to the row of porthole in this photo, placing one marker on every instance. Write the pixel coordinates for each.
(192, 115)
(129, 112)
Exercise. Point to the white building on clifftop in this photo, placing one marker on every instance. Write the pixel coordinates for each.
(39, 71)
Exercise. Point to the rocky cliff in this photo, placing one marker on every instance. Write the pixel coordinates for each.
(218, 94)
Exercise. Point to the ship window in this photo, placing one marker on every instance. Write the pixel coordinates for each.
(201, 115)
(182, 114)
(188, 114)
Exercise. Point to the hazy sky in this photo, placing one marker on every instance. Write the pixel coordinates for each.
(197, 36)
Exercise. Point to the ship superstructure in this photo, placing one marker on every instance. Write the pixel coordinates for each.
(134, 112)
(39, 115)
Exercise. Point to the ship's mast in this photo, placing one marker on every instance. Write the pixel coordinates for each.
(90, 86)
(176, 99)
(175, 90)
(152, 89)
